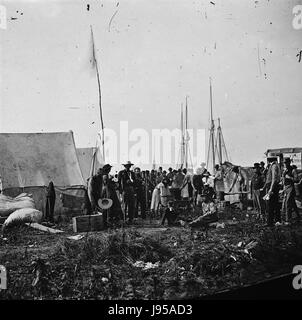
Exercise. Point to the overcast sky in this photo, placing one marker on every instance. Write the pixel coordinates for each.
(151, 55)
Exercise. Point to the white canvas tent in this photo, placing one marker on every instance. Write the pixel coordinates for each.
(29, 161)
(88, 160)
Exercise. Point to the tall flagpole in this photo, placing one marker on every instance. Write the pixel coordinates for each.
(95, 63)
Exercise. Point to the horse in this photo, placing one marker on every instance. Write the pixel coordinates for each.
(242, 183)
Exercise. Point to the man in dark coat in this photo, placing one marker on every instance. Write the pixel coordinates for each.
(126, 184)
(272, 188)
(140, 195)
(289, 202)
(95, 189)
(114, 214)
(257, 185)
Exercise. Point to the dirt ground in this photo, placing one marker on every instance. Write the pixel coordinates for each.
(146, 260)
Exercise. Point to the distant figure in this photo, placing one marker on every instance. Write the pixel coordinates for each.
(170, 215)
(289, 202)
(197, 184)
(178, 183)
(1, 185)
(257, 185)
(219, 183)
(238, 181)
(160, 195)
(153, 179)
(209, 209)
(170, 176)
(186, 185)
(50, 202)
(164, 192)
(159, 176)
(126, 184)
(238, 186)
(271, 188)
(114, 214)
(140, 194)
(148, 188)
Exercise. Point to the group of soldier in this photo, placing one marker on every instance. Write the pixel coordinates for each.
(274, 191)
(133, 192)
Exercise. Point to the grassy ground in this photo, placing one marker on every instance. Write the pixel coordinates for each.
(182, 264)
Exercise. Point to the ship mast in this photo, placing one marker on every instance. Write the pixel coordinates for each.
(211, 146)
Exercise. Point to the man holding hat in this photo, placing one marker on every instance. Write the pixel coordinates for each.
(126, 182)
(95, 189)
(113, 211)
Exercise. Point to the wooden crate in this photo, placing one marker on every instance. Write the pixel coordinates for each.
(87, 223)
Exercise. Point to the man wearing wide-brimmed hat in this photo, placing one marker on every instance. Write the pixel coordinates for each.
(140, 193)
(126, 179)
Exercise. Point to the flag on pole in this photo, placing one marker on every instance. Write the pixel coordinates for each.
(94, 64)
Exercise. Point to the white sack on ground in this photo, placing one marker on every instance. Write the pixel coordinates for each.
(22, 216)
(8, 205)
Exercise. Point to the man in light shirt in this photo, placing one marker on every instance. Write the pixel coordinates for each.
(272, 188)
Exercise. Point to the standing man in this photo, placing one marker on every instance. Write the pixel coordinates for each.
(178, 183)
(263, 170)
(219, 183)
(153, 179)
(126, 183)
(257, 185)
(272, 191)
(289, 202)
(159, 176)
(139, 191)
(170, 176)
(185, 188)
(95, 189)
(197, 185)
(148, 188)
(114, 214)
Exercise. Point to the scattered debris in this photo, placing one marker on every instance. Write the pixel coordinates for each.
(132, 264)
(25, 215)
(8, 204)
(43, 228)
(240, 244)
(77, 237)
(146, 265)
(251, 245)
